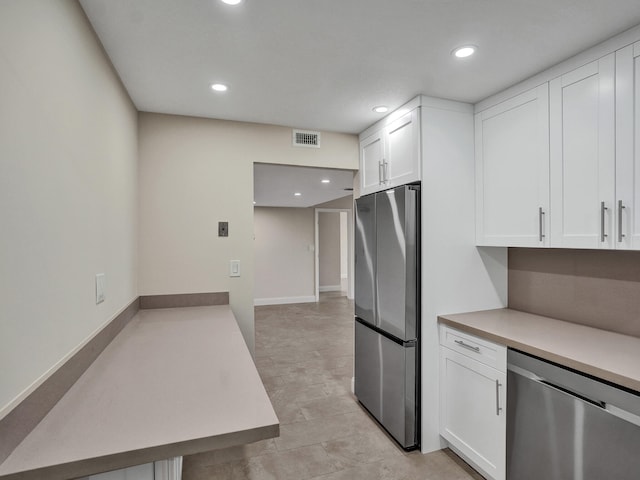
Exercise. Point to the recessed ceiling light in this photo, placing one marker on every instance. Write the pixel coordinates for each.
(297, 194)
(219, 87)
(464, 51)
(381, 109)
(232, 2)
(326, 180)
(254, 202)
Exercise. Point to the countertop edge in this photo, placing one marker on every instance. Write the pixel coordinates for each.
(92, 466)
(552, 356)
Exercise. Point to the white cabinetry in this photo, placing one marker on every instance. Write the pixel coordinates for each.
(371, 161)
(582, 146)
(390, 152)
(627, 206)
(170, 469)
(473, 400)
(512, 171)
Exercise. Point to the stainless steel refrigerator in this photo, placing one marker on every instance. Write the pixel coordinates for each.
(387, 310)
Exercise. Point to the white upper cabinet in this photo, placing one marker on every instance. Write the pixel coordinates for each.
(402, 155)
(371, 162)
(582, 146)
(390, 156)
(512, 171)
(626, 210)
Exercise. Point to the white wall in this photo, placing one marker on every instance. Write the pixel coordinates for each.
(284, 263)
(329, 250)
(345, 254)
(344, 246)
(68, 179)
(195, 172)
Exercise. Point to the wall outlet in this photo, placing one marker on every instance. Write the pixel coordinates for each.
(100, 288)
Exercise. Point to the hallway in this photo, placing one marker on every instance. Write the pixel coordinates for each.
(304, 353)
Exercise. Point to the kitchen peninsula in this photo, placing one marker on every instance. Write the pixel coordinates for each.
(175, 381)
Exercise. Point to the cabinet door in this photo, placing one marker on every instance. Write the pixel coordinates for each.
(582, 140)
(170, 469)
(371, 163)
(473, 411)
(402, 156)
(139, 472)
(512, 171)
(627, 206)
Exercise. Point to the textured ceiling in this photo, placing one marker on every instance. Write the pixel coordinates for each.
(323, 64)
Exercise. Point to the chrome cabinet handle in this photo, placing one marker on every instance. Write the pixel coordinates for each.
(385, 169)
(620, 208)
(498, 407)
(603, 209)
(467, 346)
(541, 223)
(380, 174)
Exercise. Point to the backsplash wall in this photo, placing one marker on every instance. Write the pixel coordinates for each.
(598, 288)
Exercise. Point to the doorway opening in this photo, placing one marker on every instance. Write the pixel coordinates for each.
(286, 200)
(333, 251)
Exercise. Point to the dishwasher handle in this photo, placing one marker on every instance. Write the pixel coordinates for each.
(597, 403)
(537, 379)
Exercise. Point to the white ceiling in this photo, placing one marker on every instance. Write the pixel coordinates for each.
(323, 64)
(275, 185)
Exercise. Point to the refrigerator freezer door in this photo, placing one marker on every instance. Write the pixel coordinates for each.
(365, 258)
(385, 383)
(397, 262)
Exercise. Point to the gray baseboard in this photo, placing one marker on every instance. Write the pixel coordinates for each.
(184, 300)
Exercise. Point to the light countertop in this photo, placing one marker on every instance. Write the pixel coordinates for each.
(611, 356)
(173, 382)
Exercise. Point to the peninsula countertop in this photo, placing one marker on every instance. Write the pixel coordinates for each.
(611, 356)
(174, 381)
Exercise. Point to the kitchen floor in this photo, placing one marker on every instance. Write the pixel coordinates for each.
(304, 353)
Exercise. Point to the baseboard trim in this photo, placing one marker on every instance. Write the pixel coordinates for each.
(283, 300)
(184, 300)
(34, 406)
(330, 288)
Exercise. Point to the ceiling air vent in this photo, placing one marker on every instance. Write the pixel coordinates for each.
(305, 138)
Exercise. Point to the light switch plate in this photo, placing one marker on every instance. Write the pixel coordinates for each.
(100, 288)
(234, 268)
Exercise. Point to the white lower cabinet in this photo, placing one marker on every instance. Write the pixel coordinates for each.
(170, 469)
(473, 400)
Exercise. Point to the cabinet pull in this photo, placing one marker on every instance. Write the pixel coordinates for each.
(466, 345)
(385, 171)
(498, 407)
(541, 223)
(380, 174)
(620, 208)
(603, 209)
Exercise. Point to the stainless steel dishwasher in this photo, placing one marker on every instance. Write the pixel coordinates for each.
(563, 425)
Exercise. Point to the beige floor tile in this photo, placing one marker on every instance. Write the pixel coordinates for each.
(359, 449)
(225, 455)
(323, 429)
(296, 393)
(298, 464)
(328, 406)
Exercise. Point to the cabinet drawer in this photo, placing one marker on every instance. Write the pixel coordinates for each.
(484, 351)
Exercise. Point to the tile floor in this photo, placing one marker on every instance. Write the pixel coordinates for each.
(304, 354)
